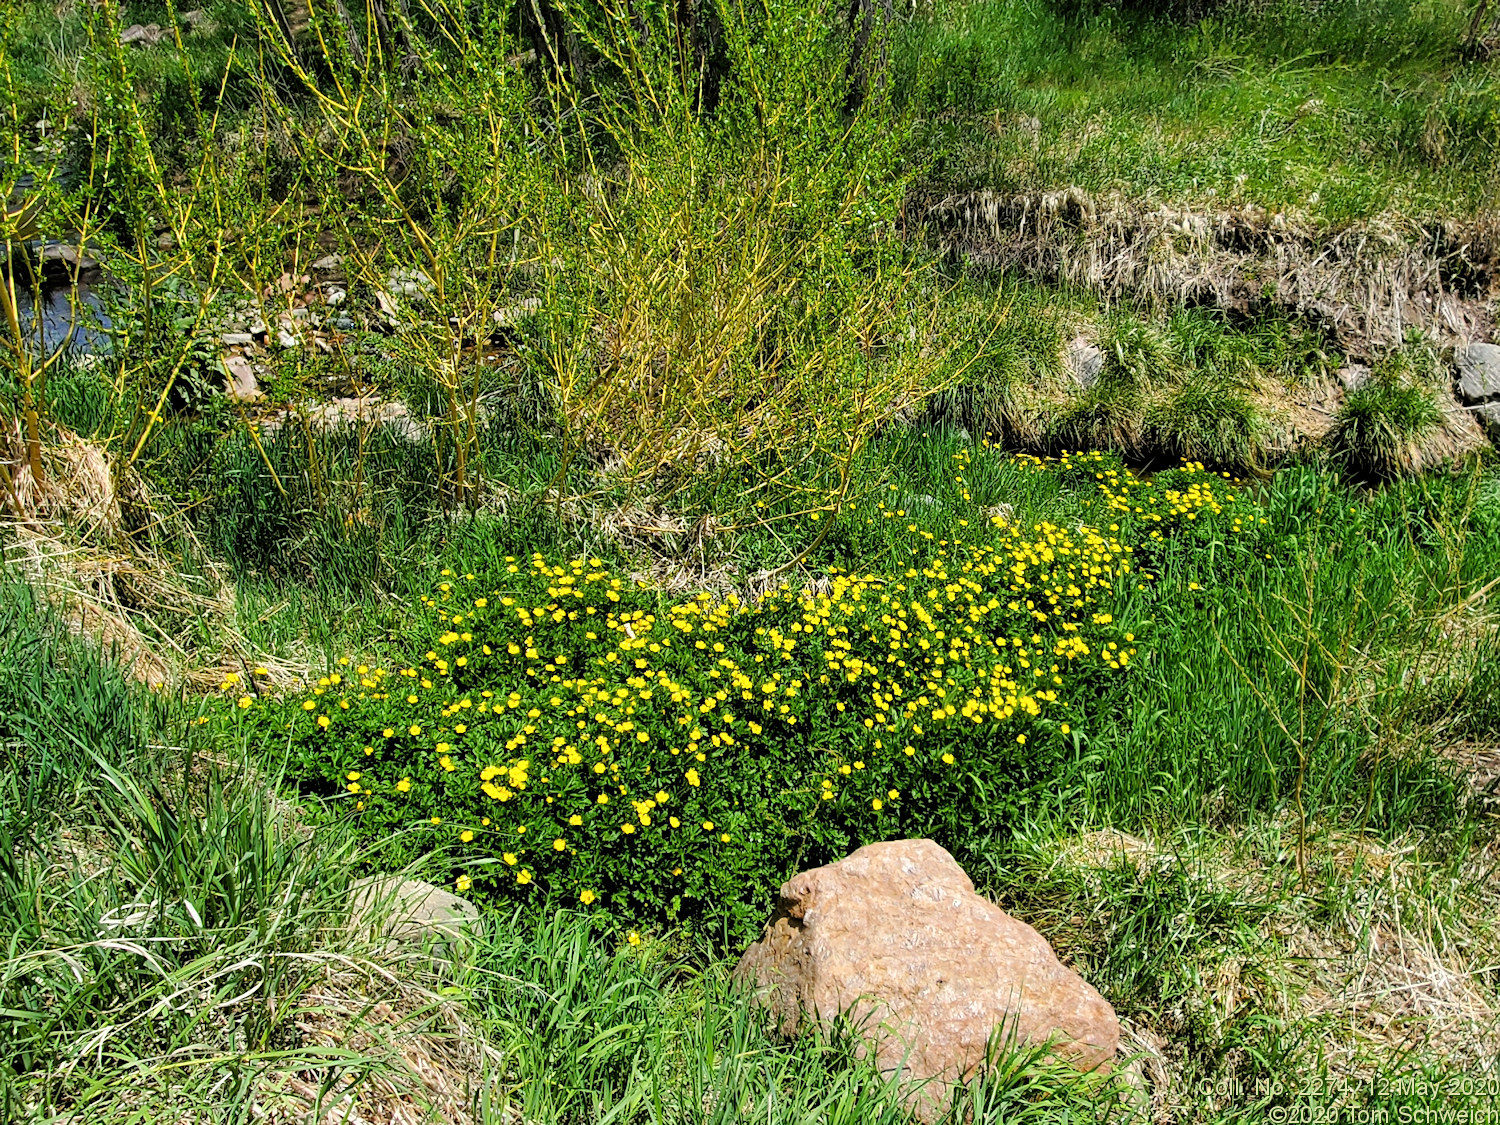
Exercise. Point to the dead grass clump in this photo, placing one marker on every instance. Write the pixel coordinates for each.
(1366, 285)
(1384, 958)
(396, 1053)
(76, 484)
(121, 569)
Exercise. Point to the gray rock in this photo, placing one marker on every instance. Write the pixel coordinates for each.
(236, 339)
(1478, 373)
(344, 324)
(1085, 361)
(1489, 419)
(409, 283)
(410, 911)
(70, 256)
(286, 339)
(334, 297)
(148, 35)
(329, 263)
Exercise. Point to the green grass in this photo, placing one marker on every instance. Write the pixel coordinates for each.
(1289, 110)
(1251, 830)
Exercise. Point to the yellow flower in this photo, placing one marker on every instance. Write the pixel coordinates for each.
(437, 820)
(693, 779)
(708, 826)
(559, 844)
(633, 938)
(674, 822)
(465, 836)
(414, 730)
(244, 702)
(893, 794)
(464, 883)
(724, 838)
(509, 858)
(877, 804)
(323, 721)
(947, 759)
(1066, 729)
(575, 820)
(352, 775)
(628, 829)
(524, 877)
(309, 705)
(387, 732)
(404, 785)
(586, 898)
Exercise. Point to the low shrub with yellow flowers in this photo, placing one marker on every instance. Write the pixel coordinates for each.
(568, 735)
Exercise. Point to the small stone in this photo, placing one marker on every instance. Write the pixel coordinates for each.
(1085, 361)
(1478, 373)
(1489, 419)
(328, 263)
(69, 256)
(239, 382)
(147, 35)
(236, 339)
(410, 911)
(334, 297)
(286, 339)
(409, 283)
(894, 938)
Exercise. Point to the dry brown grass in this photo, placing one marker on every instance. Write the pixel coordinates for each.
(1388, 978)
(89, 538)
(416, 1058)
(1365, 284)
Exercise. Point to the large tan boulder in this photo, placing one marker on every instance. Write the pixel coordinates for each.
(894, 938)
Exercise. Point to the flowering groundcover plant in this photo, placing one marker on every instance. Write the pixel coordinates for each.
(567, 736)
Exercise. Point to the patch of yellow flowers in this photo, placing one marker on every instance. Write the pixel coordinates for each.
(593, 741)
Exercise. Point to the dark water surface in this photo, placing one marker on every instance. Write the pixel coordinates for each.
(67, 315)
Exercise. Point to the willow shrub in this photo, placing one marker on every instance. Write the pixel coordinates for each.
(567, 736)
(707, 292)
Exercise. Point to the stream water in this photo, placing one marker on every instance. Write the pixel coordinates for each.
(69, 316)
